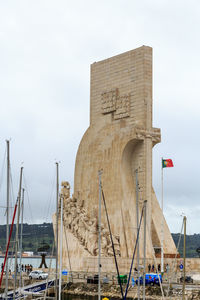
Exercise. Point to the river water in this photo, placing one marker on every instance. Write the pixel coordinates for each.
(34, 261)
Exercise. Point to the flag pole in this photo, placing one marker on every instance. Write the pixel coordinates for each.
(162, 221)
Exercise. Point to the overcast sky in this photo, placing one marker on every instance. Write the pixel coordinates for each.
(46, 48)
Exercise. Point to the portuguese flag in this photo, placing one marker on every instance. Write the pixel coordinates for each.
(167, 163)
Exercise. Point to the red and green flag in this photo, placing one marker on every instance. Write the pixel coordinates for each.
(167, 163)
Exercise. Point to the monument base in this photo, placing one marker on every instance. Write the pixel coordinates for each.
(90, 264)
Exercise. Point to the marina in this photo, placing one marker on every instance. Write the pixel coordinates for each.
(99, 191)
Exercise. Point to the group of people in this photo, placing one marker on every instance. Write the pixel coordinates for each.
(24, 268)
(151, 268)
(5, 269)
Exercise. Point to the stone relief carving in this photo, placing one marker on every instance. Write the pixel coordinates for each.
(108, 101)
(122, 107)
(111, 102)
(141, 134)
(65, 190)
(84, 228)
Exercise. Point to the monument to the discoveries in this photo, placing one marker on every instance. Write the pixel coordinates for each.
(119, 141)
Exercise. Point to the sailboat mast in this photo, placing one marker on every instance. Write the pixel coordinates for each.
(61, 245)
(145, 227)
(184, 254)
(17, 231)
(21, 236)
(57, 196)
(7, 247)
(8, 209)
(138, 245)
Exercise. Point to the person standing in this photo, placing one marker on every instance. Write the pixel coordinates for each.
(159, 268)
(167, 268)
(153, 268)
(149, 267)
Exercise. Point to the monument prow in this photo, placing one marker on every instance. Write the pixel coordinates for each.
(119, 141)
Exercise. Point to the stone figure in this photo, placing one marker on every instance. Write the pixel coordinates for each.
(116, 245)
(92, 237)
(65, 194)
(65, 191)
(105, 242)
(81, 229)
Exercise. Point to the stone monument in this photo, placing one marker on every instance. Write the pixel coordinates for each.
(119, 142)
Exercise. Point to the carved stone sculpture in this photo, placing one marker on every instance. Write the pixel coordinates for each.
(84, 228)
(65, 191)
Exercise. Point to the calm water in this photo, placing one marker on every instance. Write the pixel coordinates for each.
(34, 261)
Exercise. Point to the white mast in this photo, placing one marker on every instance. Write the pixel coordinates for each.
(8, 204)
(21, 236)
(138, 244)
(145, 217)
(57, 196)
(61, 245)
(184, 254)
